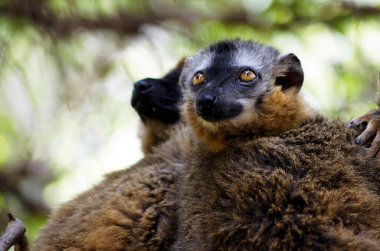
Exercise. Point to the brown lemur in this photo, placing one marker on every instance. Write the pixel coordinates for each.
(131, 209)
(95, 220)
(268, 172)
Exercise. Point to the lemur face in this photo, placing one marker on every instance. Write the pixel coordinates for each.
(226, 82)
(158, 98)
(226, 78)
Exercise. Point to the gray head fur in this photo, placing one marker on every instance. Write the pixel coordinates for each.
(224, 100)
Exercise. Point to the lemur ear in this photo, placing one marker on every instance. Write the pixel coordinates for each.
(289, 72)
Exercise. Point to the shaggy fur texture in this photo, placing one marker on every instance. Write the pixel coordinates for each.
(306, 189)
(133, 209)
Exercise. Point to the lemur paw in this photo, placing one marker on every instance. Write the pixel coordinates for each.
(368, 125)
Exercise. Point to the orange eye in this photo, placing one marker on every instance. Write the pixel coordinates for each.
(198, 78)
(247, 76)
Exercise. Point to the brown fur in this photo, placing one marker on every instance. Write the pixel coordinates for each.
(133, 209)
(153, 133)
(279, 112)
(306, 189)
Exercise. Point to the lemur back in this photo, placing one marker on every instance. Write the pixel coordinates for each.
(135, 208)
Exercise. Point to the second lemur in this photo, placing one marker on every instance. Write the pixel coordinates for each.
(269, 173)
(156, 101)
(134, 208)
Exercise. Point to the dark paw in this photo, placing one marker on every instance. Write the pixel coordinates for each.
(368, 128)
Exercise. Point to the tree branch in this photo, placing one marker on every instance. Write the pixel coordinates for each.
(39, 14)
(361, 10)
(14, 236)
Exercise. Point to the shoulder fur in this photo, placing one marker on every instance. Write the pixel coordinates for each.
(152, 133)
(300, 190)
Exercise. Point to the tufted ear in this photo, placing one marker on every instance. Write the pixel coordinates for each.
(289, 72)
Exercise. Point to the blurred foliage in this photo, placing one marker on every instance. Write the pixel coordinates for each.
(66, 69)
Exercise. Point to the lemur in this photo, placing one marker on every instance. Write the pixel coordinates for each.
(131, 209)
(268, 173)
(157, 103)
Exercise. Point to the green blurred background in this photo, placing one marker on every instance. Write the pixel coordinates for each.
(67, 68)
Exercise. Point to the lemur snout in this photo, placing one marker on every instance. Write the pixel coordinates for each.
(205, 102)
(140, 93)
(206, 106)
(142, 85)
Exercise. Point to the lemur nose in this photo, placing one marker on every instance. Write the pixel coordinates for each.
(142, 85)
(206, 101)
